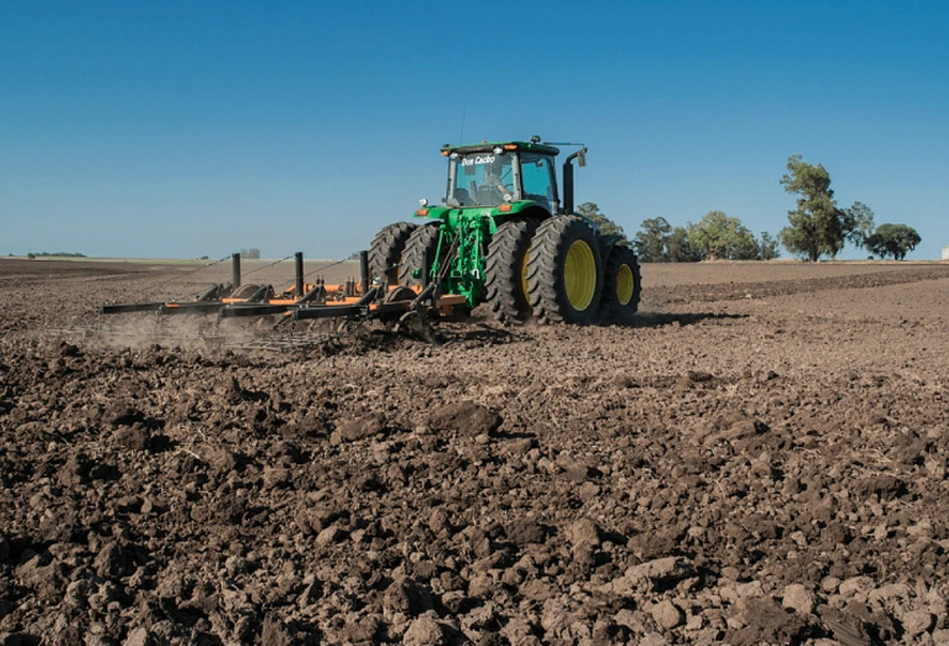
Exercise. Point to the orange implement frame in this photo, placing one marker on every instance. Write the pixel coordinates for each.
(302, 301)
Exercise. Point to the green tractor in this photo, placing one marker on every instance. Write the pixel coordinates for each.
(504, 237)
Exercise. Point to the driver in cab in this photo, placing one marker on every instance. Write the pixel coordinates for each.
(492, 178)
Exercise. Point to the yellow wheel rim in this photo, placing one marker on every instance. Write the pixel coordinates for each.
(579, 275)
(624, 285)
(524, 287)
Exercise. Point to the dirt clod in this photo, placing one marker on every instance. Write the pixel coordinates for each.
(584, 531)
(465, 417)
(425, 631)
(917, 622)
(797, 597)
(766, 622)
(667, 614)
(359, 428)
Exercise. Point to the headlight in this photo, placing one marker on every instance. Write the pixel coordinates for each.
(423, 202)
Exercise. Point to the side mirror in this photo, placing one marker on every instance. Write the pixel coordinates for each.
(582, 158)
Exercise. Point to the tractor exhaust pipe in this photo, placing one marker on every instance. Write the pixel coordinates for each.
(568, 178)
(235, 270)
(298, 262)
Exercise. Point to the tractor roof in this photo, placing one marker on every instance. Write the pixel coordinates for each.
(489, 146)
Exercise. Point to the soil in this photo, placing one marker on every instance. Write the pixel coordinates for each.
(760, 458)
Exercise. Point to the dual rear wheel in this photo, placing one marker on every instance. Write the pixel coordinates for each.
(565, 272)
(560, 271)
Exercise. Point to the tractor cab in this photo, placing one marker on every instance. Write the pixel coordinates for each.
(491, 174)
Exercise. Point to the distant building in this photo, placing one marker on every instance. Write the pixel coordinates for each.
(945, 252)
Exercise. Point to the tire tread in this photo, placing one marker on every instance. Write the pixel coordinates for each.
(503, 271)
(419, 250)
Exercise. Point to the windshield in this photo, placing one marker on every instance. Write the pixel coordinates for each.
(481, 179)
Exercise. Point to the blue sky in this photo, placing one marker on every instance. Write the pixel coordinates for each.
(181, 129)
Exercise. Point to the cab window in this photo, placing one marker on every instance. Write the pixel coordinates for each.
(536, 178)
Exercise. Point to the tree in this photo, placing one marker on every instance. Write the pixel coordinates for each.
(680, 248)
(817, 226)
(650, 242)
(768, 247)
(719, 237)
(250, 254)
(607, 226)
(860, 222)
(746, 248)
(895, 240)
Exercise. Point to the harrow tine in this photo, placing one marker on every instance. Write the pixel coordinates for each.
(318, 291)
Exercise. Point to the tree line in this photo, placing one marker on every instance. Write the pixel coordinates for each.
(817, 227)
(715, 237)
(56, 254)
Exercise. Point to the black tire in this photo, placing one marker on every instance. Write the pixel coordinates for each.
(419, 252)
(385, 253)
(559, 293)
(506, 272)
(622, 285)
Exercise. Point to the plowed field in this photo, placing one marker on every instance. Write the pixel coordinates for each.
(760, 458)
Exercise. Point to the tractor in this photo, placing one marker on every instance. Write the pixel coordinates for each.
(505, 236)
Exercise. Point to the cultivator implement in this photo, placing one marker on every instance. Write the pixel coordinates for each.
(302, 301)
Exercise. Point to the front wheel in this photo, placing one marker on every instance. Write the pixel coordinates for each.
(565, 272)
